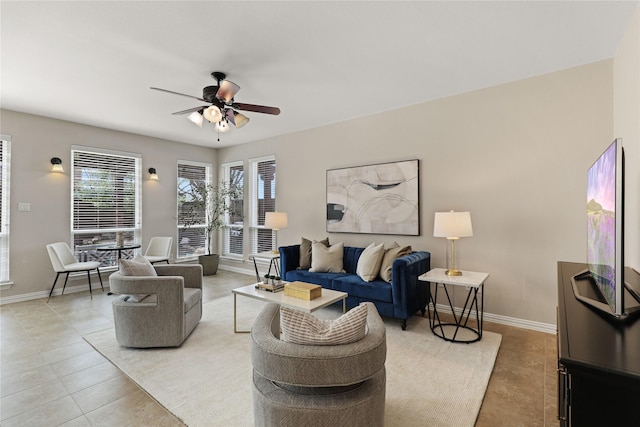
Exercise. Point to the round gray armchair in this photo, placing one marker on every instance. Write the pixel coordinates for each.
(311, 385)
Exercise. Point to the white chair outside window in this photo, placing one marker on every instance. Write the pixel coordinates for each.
(63, 261)
(159, 249)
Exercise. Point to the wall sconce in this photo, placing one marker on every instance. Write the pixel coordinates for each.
(56, 165)
(153, 175)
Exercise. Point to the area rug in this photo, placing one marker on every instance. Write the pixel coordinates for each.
(207, 381)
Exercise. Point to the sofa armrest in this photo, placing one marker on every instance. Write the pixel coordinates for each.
(409, 294)
(289, 259)
(168, 288)
(192, 273)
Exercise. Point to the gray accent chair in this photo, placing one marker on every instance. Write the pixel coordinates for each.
(308, 385)
(157, 311)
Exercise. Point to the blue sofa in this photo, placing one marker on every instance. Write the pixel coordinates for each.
(400, 299)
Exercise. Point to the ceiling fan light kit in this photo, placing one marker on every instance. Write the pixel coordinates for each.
(241, 120)
(223, 108)
(222, 126)
(196, 117)
(213, 114)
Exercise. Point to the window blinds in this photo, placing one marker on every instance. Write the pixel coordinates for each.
(191, 241)
(233, 234)
(105, 196)
(263, 200)
(5, 157)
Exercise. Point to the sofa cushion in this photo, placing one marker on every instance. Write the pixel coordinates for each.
(305, 252)
(323, 279)
(299, 327)
(138, 266)
(350, 259)
(369, 262)
(377, 290)
(389, 256)
(326, 259)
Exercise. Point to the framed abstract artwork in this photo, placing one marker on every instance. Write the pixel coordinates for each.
(374, 199)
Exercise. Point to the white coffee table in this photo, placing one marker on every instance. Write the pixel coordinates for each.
(328, 297)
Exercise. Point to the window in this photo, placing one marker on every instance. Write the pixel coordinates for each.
(262, 199)
(233, 233)
(105, 201)
(5, 162)
(191, 240)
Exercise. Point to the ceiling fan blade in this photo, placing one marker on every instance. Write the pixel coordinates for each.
(177, 93)
(190, 110)
(227, 91)
(257, 108)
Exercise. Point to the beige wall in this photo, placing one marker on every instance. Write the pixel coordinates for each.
(514, 155)
(35, 140)
(626, 113)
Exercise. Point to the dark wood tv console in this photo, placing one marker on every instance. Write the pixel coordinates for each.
(598, 362)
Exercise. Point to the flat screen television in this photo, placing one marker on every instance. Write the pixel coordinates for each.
(602, 285)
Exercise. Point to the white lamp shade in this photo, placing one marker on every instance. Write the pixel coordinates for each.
(241, 120)
(213, 114)
(452, 225)
(196, 118)
(276, 220)
(222, 126)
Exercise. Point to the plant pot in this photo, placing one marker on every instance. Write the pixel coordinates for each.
(209, 264)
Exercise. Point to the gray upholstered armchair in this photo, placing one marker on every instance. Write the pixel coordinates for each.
(157, 311)
(311, 385)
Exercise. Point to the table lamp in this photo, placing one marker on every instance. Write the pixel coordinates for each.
(452, 226)
(276, 221)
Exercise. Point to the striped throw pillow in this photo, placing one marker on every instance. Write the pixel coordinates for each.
(302, 328)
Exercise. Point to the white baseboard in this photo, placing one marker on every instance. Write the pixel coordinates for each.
(45, 294)
(509, 321)
(239, 270)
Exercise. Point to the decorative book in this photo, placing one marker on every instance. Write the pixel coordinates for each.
(303, 290)
(270, 287)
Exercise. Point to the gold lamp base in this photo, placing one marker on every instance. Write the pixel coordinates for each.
(453, 272)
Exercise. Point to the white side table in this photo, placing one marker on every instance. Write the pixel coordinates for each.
(273, 259)
(459, 330)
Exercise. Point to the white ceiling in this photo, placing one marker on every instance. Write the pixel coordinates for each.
(320, 62)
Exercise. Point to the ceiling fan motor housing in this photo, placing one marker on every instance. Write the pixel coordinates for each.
(209, 94)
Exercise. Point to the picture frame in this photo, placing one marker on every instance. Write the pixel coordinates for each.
(380, 198)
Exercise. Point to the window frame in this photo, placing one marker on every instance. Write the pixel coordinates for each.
(225, 236)
(208, 179)
(258, 236)
(5, 205)
(132, 231)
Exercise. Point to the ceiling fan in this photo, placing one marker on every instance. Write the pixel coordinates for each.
(222, 109)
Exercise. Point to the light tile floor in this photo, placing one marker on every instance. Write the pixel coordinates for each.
(49, 376)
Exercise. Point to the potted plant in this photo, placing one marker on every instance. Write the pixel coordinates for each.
(204, 206)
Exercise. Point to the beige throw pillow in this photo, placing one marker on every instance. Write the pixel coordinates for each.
(305, 252)
(299, 327)
(390, 255)
(369, 262)
(138, 266)
(327, 259)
